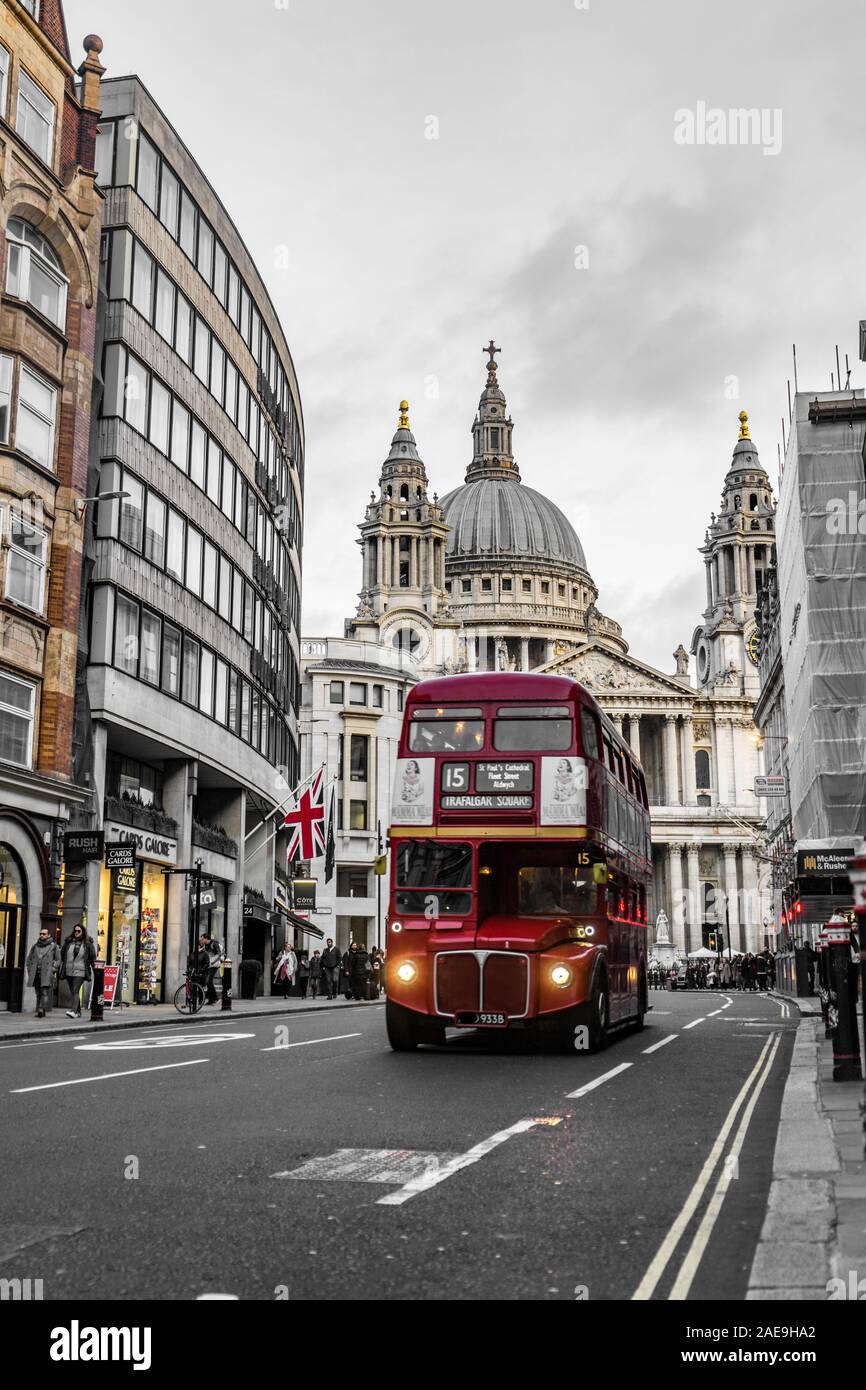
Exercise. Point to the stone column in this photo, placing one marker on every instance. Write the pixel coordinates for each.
(634, 734)
(709, 583)
(732, 898)
(617, 719)
(695, 915)
(723, 776)
(737, 797)
(690, 795)
(672, 794)
(524, 653)
(677, 913)
(234, 817)
(177, 800)
(752, 927)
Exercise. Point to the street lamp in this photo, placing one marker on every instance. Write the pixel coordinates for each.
(81, 503)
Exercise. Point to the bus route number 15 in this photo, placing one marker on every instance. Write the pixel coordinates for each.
(455, 777)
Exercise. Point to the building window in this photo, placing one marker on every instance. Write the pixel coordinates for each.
(150, 641)
(357, 693)
(5, 397)
(561, 590)
(104, 159)
(154, 531)
(357, 815)
(506, 586)
(34, 431)
(400, 698)
(34, 273)
(377, 697)
(486, 586)
(35, 122)
(466, 585)
(335, 692)
(702, 770)
(4, 81)
(25, 563)
(191, 652)
(359, 755)
(526, 585)
(32, 7)
(17, 702)
(353, 882)
(170, 659)
(132, 512)
(545, 587)
(125, 635)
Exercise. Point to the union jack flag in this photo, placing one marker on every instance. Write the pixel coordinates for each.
(307, 820)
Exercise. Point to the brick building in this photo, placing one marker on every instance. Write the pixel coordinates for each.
(50, 227)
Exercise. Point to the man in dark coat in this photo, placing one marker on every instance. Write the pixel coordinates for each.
(331, 968)
(43, 959)
(315, 974)
(359, 970)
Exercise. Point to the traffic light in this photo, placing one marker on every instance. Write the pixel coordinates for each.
(711, 941)
(798, 908)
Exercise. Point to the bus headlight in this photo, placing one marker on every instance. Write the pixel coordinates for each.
(406, 972)
(561, 976)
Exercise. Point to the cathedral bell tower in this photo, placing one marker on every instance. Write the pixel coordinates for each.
(738, 551)
(402, 535)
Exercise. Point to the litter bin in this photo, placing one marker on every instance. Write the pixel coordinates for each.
(251, 972)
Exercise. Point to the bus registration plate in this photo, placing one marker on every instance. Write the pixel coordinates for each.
(468, 1019)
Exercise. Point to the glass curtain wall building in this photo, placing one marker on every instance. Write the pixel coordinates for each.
(194, 591)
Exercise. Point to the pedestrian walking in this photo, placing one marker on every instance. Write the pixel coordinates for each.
(77, 955)
(359, 970)
(285, 969)
(315, 974)
(346, 970)
(331, 968)
(214, 953)
(762, 971)
(303, 973)
(377, 967)
(43, 959)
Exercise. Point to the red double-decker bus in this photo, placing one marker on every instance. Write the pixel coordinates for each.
(520, 861)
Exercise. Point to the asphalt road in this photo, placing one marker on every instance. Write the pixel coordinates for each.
(480, 1176)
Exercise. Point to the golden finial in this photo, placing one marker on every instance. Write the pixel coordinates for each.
(404, 415)
(744, 428)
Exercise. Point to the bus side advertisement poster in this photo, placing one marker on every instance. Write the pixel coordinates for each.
(413, 791)
(563, 791)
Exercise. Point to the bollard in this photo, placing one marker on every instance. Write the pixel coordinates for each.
(843, 1001)
(227, 986)
(96, 991)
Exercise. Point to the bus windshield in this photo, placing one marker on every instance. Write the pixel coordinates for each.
(555, 888)
(430, 876)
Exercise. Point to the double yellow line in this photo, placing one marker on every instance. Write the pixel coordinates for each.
(748, 1097)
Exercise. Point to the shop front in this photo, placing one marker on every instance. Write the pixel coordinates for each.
(13, 927)
(131, 924)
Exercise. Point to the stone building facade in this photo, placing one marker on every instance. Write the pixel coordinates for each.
(50, 221)
(188, 713)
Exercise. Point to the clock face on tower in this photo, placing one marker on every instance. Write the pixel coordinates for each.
(753, 646)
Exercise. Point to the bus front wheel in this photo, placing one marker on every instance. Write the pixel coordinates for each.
(405, 1030)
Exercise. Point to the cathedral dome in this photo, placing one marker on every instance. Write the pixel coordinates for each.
(502, 517)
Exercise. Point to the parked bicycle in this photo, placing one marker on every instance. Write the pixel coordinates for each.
(189, 997)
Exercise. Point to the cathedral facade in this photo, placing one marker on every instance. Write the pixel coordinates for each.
(493, 577)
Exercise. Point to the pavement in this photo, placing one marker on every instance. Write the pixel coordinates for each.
(15, 1027)
(293, 1155)
(813, 1241)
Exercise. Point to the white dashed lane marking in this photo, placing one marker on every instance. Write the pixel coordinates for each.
(664, 1042)
(107, 1076)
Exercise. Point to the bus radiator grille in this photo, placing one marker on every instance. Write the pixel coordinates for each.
(505, 984)
(458, 982)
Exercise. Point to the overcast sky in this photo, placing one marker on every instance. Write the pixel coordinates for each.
(556, 130)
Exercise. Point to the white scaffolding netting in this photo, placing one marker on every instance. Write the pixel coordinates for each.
(822, 593)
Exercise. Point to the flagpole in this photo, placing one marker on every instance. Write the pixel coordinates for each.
(290, 797)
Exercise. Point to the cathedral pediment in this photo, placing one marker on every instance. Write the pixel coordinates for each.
(601, 671)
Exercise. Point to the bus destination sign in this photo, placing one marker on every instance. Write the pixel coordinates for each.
(489, 802)
(503, 777)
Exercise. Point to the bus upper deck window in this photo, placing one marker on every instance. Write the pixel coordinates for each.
(437, 729)
(589, 730)
(533, 728)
